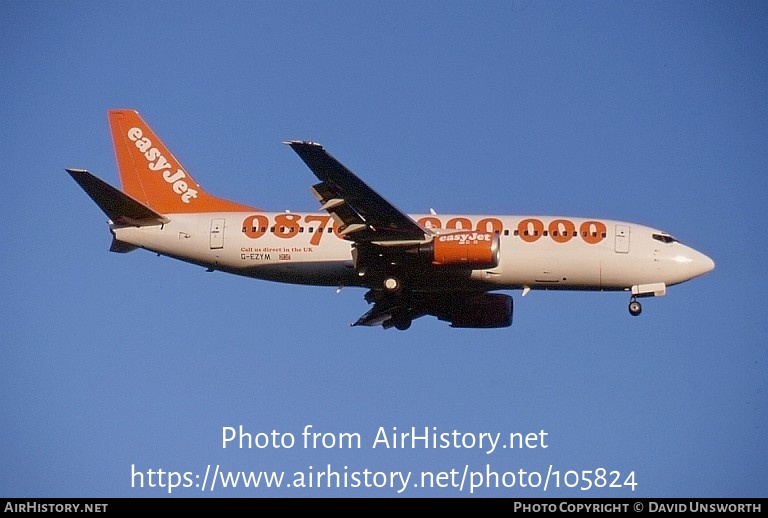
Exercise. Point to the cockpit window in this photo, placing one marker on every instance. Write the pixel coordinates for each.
(664, 238)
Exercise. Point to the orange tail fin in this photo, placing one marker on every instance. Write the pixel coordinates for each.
(150, 174)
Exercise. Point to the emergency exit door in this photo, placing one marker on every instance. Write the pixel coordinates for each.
(217, 233)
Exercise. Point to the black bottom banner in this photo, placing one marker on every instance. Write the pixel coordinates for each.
(515, 505)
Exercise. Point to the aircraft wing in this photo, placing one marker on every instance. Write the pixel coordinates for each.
(361, 213)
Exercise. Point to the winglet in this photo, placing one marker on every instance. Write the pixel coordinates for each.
(151, 174)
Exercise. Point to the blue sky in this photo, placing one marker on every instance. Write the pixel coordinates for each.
(649, 112)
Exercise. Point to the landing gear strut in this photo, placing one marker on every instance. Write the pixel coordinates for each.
(635, 308)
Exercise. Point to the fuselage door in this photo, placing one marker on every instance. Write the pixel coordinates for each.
(622, 239)
(217, 233)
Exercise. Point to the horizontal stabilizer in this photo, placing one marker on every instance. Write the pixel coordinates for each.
(118, 206)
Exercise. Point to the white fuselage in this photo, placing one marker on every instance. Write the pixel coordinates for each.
(536, 252)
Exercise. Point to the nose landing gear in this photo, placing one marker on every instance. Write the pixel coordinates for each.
(656, 289)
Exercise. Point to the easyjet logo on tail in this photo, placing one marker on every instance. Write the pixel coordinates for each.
(157, 162)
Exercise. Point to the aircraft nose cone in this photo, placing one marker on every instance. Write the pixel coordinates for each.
(701, 264)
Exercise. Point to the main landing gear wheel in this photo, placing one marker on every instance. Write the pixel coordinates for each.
(635, 308)
(402, 322)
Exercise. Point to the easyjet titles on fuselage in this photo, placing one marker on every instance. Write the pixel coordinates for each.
(286, 225)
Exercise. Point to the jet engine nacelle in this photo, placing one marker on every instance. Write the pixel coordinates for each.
(468, 248)
(481, 311)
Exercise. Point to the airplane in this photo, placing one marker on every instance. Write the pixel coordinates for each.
(450, 266)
